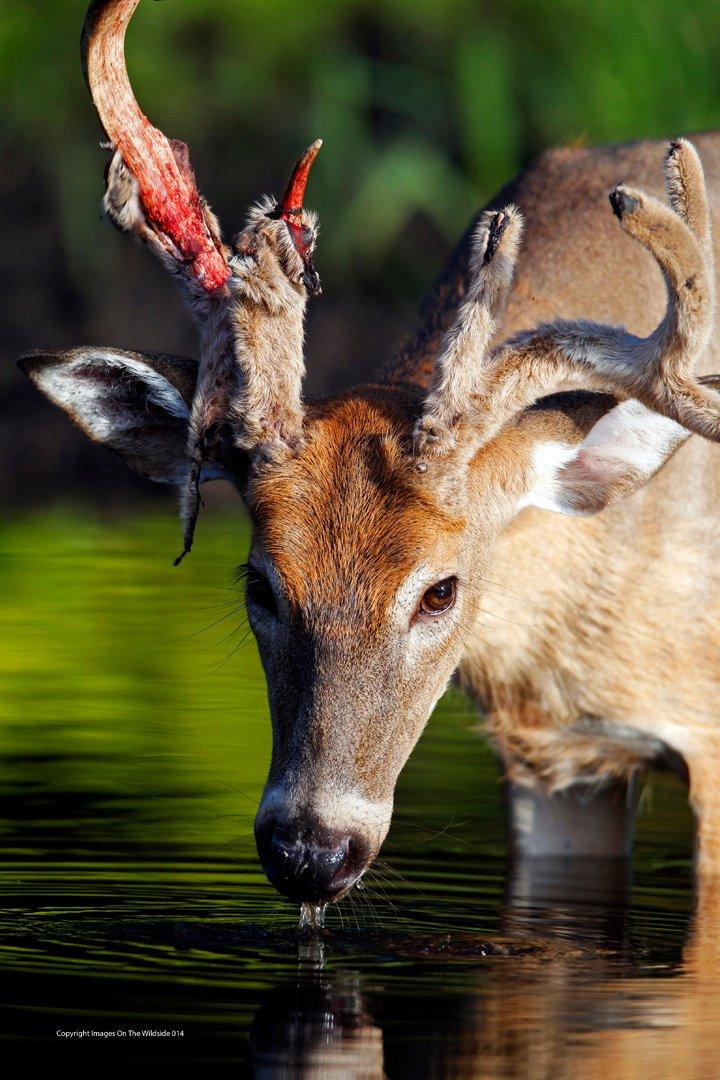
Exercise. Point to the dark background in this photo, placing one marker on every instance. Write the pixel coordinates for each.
(426, 108)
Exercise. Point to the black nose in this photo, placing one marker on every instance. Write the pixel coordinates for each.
(306, 865)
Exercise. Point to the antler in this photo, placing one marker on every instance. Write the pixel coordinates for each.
(248, 298)
(656, 370)
(459, 365)
(172, 205)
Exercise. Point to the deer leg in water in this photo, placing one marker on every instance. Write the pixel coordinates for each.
(589, 820)
(704, 775)
(571, 846)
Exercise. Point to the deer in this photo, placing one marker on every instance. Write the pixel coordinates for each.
(524, 499)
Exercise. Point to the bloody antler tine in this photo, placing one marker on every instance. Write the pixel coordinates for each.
(169, 197)
(291, 204)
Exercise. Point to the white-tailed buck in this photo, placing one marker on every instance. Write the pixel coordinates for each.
(522, 508)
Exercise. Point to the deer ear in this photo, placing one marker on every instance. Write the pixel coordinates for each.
(619, 454)
(136, 404)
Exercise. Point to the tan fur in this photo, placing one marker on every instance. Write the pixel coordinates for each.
(345, 518)
(614, 617)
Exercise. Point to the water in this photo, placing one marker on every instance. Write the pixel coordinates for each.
(133, 747)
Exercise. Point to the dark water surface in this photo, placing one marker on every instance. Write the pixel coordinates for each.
(134, 743)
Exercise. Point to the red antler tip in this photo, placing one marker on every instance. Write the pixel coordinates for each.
(291, 203)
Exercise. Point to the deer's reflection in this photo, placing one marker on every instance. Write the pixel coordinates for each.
(317, 1026)
(581, 1004)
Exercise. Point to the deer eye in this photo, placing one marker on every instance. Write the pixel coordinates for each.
(259, 593)
(439, 598)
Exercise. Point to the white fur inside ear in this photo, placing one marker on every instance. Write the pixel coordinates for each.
(79, 398)
(635, 436)
(548, 459)
(121, 401)
(619, 454)
(160, 391)
(82, 398)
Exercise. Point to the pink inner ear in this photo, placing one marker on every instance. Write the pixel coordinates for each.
(591, 465)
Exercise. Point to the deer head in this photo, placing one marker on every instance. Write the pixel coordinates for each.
(374, 513)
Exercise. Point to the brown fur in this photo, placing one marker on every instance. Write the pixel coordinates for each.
(346, 518)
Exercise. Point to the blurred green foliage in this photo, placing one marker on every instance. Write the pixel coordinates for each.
(426, 107)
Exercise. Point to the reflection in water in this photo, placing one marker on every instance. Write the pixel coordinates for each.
(316, 1026)
(580, 1004)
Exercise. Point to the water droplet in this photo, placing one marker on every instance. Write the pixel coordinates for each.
(312, 916)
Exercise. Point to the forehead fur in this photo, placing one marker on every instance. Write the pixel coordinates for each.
(346, 513)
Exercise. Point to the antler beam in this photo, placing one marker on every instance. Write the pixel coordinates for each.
(170, 199)
(656, 370)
